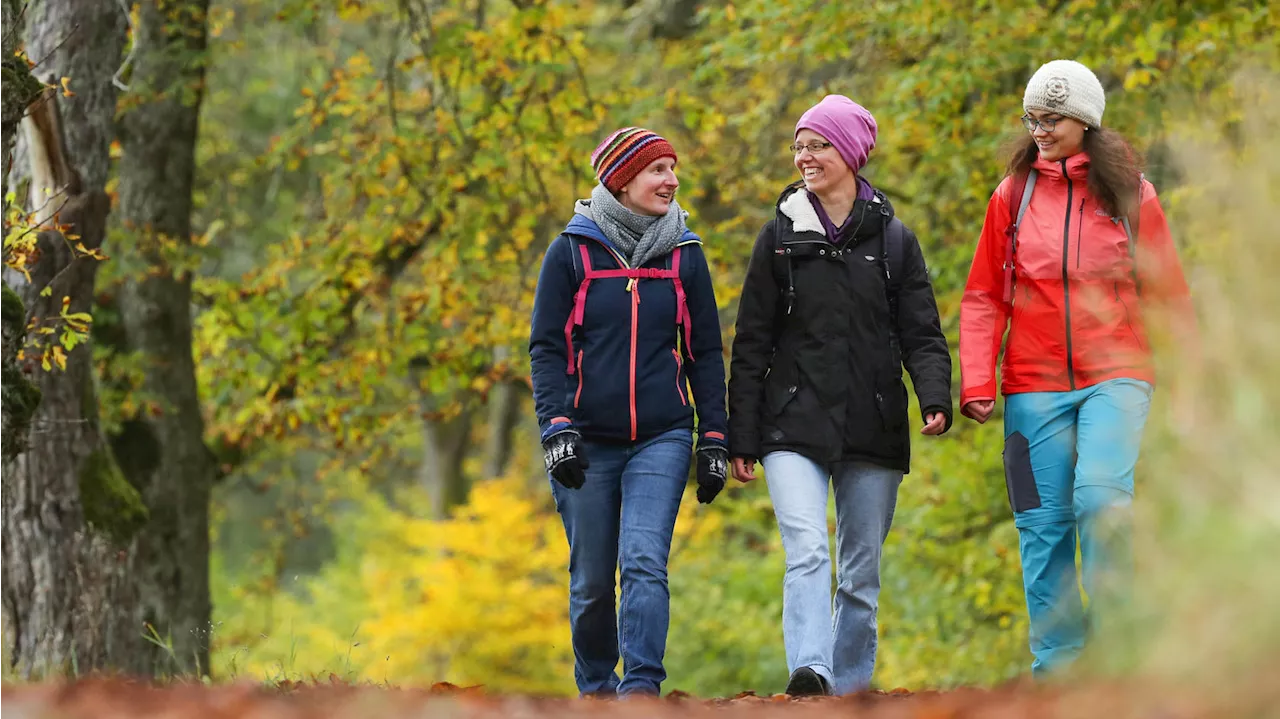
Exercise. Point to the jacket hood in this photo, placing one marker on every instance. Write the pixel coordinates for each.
(794, 204)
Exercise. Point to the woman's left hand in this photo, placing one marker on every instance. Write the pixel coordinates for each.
(934, 423)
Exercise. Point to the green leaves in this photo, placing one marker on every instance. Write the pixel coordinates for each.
(386, 188)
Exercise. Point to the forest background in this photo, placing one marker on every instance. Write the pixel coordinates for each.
(282, 424)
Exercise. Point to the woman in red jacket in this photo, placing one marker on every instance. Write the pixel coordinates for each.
(1075, 253)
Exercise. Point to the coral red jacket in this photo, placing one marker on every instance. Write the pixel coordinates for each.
(1077, 315)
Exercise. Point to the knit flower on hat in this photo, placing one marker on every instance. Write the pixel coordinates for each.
(1056, 91)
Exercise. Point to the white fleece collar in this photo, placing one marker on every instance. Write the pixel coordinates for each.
(804, 218)
(799, 210)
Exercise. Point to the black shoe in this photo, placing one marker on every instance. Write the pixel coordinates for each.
(805, 682)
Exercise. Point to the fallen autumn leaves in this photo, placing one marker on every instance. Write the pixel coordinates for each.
(116, 699)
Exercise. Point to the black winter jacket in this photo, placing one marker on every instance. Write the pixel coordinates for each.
(825, 379)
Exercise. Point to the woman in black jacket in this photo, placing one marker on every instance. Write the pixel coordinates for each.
(836, 300)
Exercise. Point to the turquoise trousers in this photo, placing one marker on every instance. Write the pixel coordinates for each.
(1069, 459)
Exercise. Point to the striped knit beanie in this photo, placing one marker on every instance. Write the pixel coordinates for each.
(625, 153)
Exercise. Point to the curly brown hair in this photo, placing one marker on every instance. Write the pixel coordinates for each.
(1115, 168)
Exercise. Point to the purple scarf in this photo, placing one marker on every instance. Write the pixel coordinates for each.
(833, 231)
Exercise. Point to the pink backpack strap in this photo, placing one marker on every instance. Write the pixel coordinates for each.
(682, 305)
(577, 312)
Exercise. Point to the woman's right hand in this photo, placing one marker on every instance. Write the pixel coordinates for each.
(979, 410)
(744, 469)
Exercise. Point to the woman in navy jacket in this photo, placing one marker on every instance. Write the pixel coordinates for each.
(624, 324)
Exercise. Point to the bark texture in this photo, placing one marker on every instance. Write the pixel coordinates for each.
(69, 595)
(163, 452)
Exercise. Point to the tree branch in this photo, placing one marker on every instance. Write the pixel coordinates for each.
(133, 48)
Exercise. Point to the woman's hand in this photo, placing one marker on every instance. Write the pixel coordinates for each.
(744, 469)
(979, 410)
(934, 423)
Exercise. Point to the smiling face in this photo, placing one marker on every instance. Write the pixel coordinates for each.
(1066, 139)
(824, 170)
(651, 191)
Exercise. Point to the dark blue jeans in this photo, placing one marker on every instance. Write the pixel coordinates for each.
(624, 514)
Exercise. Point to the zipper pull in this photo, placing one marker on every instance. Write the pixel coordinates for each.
(631, 284)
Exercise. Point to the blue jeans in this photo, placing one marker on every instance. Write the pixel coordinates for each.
(866, 495)
(1069, 459)
(624, 514)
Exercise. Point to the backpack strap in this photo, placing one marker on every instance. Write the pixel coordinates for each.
(892, 263)
(1131, 232)
(575, 260)
(1023, 186)
(683, 320)
(779, 252)
(577, 314)
(578, 310)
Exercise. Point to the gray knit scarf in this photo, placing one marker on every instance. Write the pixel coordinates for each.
(640, 238)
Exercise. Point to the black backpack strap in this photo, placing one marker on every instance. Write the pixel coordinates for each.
(893, 259)
(578, 272)
(783, 271)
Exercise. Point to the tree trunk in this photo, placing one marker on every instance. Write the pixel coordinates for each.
(18, 395)
(70, 604)
(445, 442)
(446, 447)
(504, 413)
(675, 19)
(163, 452)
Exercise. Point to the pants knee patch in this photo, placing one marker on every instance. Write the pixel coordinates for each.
(1019, 479)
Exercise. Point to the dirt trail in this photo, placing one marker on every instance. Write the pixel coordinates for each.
(115, 699)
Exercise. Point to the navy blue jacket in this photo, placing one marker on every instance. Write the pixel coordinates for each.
(627, 379)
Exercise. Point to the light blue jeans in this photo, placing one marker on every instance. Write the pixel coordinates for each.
(1069, 460)
(866, 495)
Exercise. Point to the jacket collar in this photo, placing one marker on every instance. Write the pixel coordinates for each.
(795, 205)
(799, 210)
(1077, 167)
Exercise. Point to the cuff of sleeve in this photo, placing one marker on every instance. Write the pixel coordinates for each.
(745, 447)
(980, 393)
(558, 424)
(712, 439)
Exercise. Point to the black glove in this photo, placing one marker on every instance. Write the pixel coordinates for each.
(713, 469)
(566, 461)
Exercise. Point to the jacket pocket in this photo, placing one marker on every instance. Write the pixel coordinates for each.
(778, 394)
(1019, 479)
(891, 403)
(1128, 319)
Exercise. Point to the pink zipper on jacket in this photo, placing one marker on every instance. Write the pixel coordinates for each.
(635, 326)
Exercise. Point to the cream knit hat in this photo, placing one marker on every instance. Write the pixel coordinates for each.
(1067, 88)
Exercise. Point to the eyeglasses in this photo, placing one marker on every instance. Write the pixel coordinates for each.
(1047, 123)
(813, 146)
